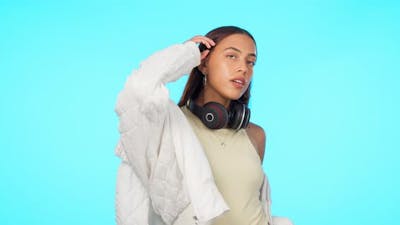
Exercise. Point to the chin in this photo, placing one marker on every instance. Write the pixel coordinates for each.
(235, 97)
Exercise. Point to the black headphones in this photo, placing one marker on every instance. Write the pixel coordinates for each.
(215, 116)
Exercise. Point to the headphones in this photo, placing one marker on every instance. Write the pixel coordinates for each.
(215, 116)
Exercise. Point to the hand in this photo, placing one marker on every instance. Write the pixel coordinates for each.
(208, 42)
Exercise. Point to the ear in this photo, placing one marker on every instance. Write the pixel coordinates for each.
(203, 67)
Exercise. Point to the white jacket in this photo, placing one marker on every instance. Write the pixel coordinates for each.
(163, 167)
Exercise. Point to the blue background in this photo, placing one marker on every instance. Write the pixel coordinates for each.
(326, 90)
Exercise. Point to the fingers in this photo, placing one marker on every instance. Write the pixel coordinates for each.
(208, 42)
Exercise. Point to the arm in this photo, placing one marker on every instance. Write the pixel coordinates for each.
(141, 105)
(165, 66)
(147, 82)
(143, 109)
(257, 137)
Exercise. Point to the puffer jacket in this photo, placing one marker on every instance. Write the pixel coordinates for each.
(163, 166)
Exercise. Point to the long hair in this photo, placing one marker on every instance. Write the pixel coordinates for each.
(195, 84)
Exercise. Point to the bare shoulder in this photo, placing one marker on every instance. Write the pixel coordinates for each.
(258, 137)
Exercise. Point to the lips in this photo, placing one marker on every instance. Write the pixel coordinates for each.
(239, 82)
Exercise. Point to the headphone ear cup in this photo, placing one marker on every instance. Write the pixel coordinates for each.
(214, 115)
(239, 116)
(246, 120)
(235, 115)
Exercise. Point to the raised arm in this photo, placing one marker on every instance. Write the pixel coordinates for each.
(147, 82)
(145, 112)
(141, 105)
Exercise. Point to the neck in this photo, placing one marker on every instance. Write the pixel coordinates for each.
(205, 98)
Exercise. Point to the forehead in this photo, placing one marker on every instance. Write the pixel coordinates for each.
(240, 41)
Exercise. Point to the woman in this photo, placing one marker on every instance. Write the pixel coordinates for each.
(203, 165)
(224, 76)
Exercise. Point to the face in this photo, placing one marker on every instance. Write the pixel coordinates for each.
(229, 68)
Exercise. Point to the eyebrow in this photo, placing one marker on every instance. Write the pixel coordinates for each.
(237, 50)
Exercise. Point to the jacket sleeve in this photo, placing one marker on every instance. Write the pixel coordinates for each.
(141, 105)
(142, 108)
(147, 82)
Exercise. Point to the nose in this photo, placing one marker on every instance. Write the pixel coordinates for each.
(242, 66)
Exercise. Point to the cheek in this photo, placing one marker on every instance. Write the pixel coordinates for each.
(219, 70)
(250, 73)
(225, 69)
(251, 76)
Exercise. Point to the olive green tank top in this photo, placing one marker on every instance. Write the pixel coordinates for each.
(237, 171)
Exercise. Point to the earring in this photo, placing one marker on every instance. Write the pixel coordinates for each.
(204, 80)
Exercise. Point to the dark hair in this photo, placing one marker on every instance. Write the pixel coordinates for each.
(195, 84)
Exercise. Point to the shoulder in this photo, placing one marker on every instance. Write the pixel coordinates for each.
(258, 138)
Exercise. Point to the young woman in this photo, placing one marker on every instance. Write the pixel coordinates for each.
(201, 162)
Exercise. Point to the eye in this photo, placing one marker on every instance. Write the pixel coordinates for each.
(251, 63)
(231, 56)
